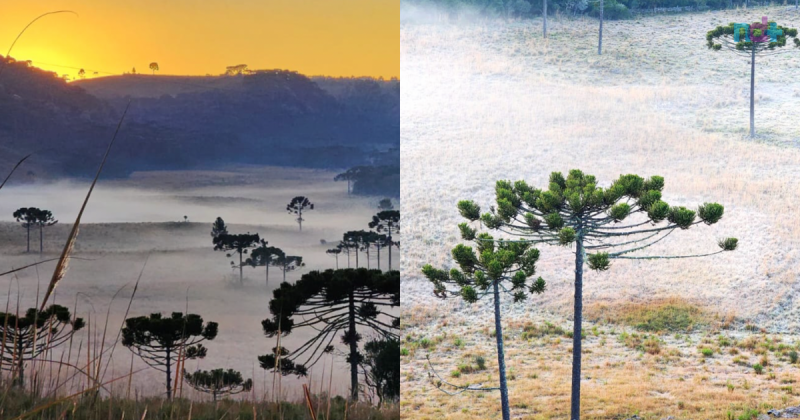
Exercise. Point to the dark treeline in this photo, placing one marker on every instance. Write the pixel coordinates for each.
(612, 9)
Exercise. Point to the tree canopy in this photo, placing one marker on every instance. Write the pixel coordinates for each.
(331, 302)
(218, 382)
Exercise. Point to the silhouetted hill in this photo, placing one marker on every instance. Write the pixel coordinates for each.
(273, 117)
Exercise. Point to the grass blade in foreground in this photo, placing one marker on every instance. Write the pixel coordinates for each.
(63, 261)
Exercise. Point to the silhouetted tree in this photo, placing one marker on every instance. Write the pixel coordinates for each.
(218, 382)
(26, 337)
(154, 67)
(330, 302)
(297, 206)
(381, 369)
(387, 221)
(350, 176)
(574, 211)
(159, 341)
(44, 218)
(82, 73)
(355, 241)
(335, 252)
(286, 263)
(759, 38)
(237, 69)
(28, 216)
(217, 229)
(348, 247)
(374, 240)
(263, 256)
(486, 273)
(385, 204)
(238, 243)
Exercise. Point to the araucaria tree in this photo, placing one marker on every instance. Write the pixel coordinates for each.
(286, 263)
(239, 244)
(218, 382)
(263, 256)
(757, 39)
(492, 267)
(297, 206)
(600, 225)
(44, 218)
(335, 252)
(387, 221)
(350, 175)
(154, 67)
(28, 216)
(26, 337)
(161, 342)
(349, 301)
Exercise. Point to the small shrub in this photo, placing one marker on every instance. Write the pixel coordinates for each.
(455, 374)
(480, 363)
(793, 356)
(707, 352)
(749, 414)
(404, 351)
(758, 368)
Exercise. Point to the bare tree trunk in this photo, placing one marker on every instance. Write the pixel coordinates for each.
(379, 257)
(752, 92)
(390, 253)
(241, 273)
(267, 270)
(576, 330)
(501, 363)
(41, 241)
(29, 239)
(169, 375)
(600, 38)
(354, 359)
(544, 18)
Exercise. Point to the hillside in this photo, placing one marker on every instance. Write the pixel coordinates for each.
(654, 103)
(274, 117)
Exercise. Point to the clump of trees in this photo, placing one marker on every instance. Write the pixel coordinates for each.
(599, 224)
(218, 382)
(372, 180)
(37, 331)
(32, 216)
(386, 221)
(237, 243)
(381, 369)
(161, 342)
(347, 301)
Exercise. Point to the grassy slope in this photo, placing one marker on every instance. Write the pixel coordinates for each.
(488, 101)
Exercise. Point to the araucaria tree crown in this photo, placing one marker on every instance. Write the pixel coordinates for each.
(161, 341)
(600, 224)
(297, 206)
(218, 382)
(26, 337)
(330, 302)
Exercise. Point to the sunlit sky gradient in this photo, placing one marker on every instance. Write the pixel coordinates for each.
(198, 37)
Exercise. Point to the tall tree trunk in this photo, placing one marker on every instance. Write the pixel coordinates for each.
(241, 273)
(300, 219)
(544, 18)
(600, 38)
(267, 270)
(337, 260)
(576, 329)
(379, 257)
(41, 241)
(356, 258)
(284, 272)
(348, 258)
(20, 364)
(169, 376)
(353, 350)
(390, 253)
(501, 362)
(29, 239)
(752, 92)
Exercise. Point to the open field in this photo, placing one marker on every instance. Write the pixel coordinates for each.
(488, 100)
(140, 219)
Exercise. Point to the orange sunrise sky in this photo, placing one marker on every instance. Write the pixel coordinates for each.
(198, 37)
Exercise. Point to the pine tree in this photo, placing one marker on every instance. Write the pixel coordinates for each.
(26, 337)
(297, 206)
(263, 256)
(239, 244)
(218, 382)
(387, 221)
(28, 216)
(574, 212)
(492, 267)
(161, 341)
